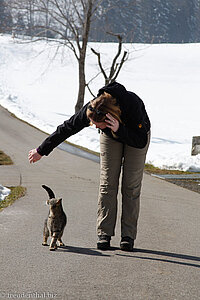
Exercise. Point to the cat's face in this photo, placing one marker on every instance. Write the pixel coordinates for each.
(54, 202)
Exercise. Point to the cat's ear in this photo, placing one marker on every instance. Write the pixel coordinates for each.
(59, 201)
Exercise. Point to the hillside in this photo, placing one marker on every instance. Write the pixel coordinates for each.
(43, 91)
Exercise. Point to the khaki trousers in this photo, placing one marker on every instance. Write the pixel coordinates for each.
(114, 158)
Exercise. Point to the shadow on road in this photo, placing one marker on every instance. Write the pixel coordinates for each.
(165, 254)
(89, 251)
(79, 250)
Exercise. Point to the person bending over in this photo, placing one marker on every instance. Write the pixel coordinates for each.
(124, 140)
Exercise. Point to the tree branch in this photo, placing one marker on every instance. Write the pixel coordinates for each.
(120, 65)
(87, 85)
(99, 62)
(112, 69)
(115, 67)
(78, 13)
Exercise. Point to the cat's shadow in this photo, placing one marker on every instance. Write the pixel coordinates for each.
(81, 250)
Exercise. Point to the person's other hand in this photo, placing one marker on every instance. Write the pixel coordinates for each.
(112, 123)
(34, 156)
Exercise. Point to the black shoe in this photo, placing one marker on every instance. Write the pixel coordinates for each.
(103, 242)
(126, 244)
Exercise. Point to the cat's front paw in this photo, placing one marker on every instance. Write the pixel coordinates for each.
(61, 244)
(52, 248)
(44, 244)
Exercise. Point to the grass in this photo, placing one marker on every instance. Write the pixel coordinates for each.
(16, 193)
(151, 169)
(190, 184)
(5, 159)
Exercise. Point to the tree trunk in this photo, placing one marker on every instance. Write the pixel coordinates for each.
(81, 92)
(82, 51)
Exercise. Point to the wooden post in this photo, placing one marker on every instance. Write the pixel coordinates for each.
(195, 145)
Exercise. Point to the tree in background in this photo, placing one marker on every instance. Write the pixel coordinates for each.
(20, 26)
(194, 21)
(115, 16)
(67, 20)
(179, 29)
(30, 9)
(116, 63)
(5, 18)
(157, 22)
(143, 21)
(147, 21)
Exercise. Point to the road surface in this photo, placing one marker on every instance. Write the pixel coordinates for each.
(166, 260)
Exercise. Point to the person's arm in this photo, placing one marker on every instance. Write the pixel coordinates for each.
(76, 123)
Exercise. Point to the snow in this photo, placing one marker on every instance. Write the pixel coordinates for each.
(4, 192)
(43, 91)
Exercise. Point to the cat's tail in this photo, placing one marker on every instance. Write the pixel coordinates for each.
(49, 191)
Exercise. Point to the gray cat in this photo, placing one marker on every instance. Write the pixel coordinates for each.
(55, 222)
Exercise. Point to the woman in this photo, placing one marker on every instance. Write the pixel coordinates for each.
(124, 141)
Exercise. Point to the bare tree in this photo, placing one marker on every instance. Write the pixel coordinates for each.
(116, 65)
(72, 19)
(69, 21)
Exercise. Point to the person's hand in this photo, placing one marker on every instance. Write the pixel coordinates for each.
(112, 123)
(34, 156)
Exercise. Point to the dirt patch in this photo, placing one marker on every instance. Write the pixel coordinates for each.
(192, 185)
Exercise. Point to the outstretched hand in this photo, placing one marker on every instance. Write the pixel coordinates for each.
(34, 156)
(112, 123)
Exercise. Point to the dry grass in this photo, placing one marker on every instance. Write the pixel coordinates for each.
(154, 170)
(5, 159)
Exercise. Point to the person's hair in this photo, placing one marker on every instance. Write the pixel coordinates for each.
(100, 106)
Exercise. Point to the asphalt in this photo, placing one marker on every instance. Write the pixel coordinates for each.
(166, 260)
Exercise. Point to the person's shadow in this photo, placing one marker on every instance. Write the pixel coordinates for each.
(165, 254)
(134, 254)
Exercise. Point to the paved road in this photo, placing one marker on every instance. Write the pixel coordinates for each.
(165, 265)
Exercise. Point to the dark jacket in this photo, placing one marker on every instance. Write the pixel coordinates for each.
(132, 131)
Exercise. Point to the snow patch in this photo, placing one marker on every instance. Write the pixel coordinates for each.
(4, 192)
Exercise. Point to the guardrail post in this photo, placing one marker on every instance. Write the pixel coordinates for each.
(195, 145)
